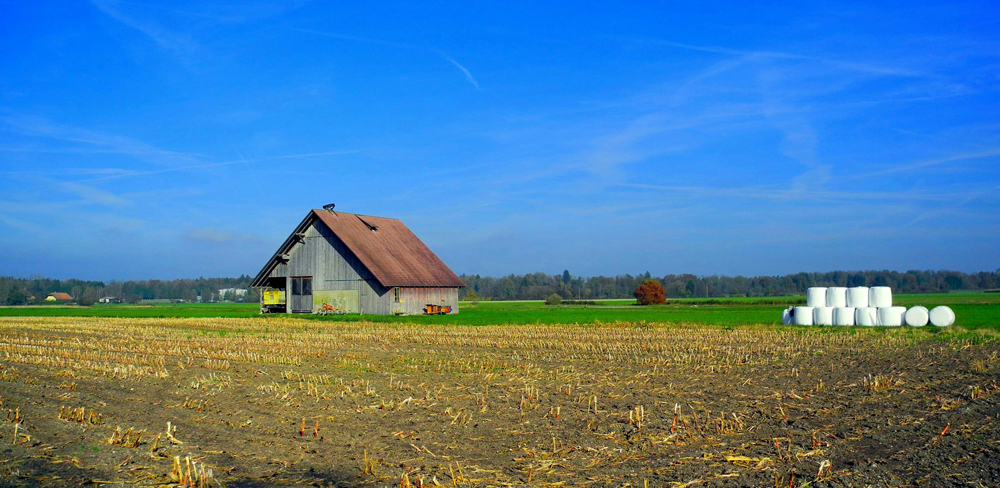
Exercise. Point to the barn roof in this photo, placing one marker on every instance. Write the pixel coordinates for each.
(390, 251)
(61, 296)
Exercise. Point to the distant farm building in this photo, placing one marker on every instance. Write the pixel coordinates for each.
(337, 262)
(58, 297)
(233, 294)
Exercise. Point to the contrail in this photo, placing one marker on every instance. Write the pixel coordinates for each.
(468, 75)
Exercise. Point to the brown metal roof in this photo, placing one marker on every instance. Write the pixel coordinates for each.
(390, 250)
(61, 296)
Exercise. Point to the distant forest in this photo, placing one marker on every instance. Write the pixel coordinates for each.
(22, 291)
(535, 286)
(538, 286)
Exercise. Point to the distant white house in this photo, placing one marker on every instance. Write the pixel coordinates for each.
(232, 293)
(108, 300)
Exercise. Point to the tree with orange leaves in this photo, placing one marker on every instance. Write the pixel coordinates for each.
(650, 293)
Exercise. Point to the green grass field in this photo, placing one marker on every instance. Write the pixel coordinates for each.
(973, 310)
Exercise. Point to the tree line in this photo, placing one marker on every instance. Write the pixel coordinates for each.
(533, 286)
(539, 286)
(24, 291)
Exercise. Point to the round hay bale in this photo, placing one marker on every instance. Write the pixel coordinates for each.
(916, 316)
(942, 316)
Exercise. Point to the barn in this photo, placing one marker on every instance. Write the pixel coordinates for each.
(336, 262)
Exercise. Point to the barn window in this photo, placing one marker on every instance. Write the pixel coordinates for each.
(396, 292)
(302, 285)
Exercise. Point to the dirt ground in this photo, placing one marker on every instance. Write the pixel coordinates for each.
(265, 402)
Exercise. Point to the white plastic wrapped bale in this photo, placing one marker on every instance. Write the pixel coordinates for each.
(880, 296)
(816, 297)
(867, 316)
(786, 316)
(823, 316)
(857, 296)
(890, 316)
(802, 316)
(836, 296)
(916, 316)
(942, 316)
(843, 316)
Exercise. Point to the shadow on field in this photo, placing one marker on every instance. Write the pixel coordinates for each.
(16, 470)
(320, 478)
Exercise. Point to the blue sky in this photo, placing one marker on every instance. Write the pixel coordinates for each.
(167, 139)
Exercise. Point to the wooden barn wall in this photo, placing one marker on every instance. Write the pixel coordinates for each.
(415, 299)
(334, 267)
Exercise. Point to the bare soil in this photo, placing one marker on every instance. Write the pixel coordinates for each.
(404, 405)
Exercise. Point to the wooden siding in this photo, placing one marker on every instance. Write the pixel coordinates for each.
(415, 299)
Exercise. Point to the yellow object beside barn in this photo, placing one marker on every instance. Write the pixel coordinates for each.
(274, 297)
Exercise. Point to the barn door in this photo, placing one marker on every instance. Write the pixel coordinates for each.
(302, 294)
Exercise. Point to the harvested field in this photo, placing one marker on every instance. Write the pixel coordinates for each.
(263, 402)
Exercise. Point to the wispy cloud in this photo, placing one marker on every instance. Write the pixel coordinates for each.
(223, 163)
(777, 193)
(905, 168)
(760, 54)
(177, 43)
(747, 90)
(20, 224)
(209, 234)
(800, 138)
(468, 75)
(92, 195)
(235, 13)
(92, 140)
(101, 143)
(216, 236)
(754, 93)
(442, 54)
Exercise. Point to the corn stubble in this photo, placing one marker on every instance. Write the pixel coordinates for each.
(283, 401)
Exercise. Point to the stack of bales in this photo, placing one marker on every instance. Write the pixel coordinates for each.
(861, 305)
